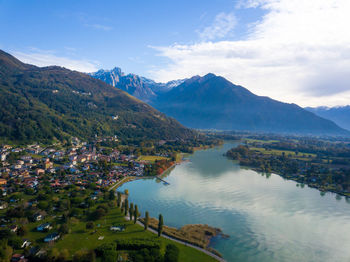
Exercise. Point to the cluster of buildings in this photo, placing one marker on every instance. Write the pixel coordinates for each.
(79, 164)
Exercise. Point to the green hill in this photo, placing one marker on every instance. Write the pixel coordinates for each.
(41, 104)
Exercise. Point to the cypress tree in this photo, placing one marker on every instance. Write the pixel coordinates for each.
(126, 206)
(146, 220)
(131, 210)
(119, 199)
(136, 214)
(160, 225)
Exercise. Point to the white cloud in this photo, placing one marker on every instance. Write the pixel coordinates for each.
(100, 27)
(222, 26)
(48, 58)
(298, 52)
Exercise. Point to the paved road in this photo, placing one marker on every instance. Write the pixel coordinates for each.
(182, 242)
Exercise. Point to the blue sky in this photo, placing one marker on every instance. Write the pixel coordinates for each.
(110, 33)
(294, 51)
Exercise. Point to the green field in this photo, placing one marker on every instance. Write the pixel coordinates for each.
(249, 141)
(300, 155)
(151, 158)
(81, 238)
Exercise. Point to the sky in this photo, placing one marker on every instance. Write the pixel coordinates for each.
(295, 51)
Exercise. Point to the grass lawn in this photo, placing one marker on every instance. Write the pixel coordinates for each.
(35, 156)
(249, 140)
(279, 152)
(152, 158)
(81, 238)
(120, 164)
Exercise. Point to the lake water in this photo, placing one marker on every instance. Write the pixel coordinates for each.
(267, 218)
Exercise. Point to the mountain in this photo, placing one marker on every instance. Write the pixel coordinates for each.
(212, 102)
(138, 86)
(339, 115)
(45, 103)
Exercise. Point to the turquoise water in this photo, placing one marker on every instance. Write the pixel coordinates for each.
(267, 218)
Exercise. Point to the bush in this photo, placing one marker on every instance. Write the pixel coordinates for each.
(90, 225)
(84, 255)
(171, 253)
(146, 255)
(137, 244)
(105, 247)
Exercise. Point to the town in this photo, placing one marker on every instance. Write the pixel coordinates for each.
(79, 164)
(49, 190)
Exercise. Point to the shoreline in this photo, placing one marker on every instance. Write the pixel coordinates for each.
(295, 179)
(210, 251)
(206, 248)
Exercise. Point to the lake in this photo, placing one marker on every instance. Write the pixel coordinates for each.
(268, 218)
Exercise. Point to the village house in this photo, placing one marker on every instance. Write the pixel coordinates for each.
(44, 227)
(51, 237)
(13, 228)
(25, 243)
(18, 258)
(3, 181)
(39, 171)
(38, 217)
(3, 205)
(48, 164)
(3, 157)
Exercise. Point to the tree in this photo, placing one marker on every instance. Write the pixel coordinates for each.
(131, 210)
(119, 199)
(64, 255)
(84, 255)
(126, 206)
(22, 231)
(90, 225)
(15, 242)
(171, 253)
(52, 254)
(64, 229)
(160, 225)
(136, 213)
(110, 256)
(146, 220)
(5, 251)
(98, 213)
(107, 252)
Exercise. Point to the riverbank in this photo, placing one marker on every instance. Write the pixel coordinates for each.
(195, 234)
(204, 229)
(214, 190)
(304, 168)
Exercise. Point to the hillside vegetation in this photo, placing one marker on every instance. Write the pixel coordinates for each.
(41, 104)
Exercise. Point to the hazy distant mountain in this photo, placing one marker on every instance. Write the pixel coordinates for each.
(45, 103)
(138, 86)
(212, 102)
(340, 115)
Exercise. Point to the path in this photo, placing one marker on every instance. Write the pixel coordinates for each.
(182, 242)
(129, 178)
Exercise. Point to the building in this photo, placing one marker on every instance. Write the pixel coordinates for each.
(3, 156)
(38, 217)
(39, 171)
(43, 227)
(52, 237)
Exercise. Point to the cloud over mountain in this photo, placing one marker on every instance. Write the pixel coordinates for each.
(298, 52)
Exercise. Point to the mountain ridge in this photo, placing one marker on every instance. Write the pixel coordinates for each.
(43, 103)
(141, 87)
(338, 114)
(212, 102)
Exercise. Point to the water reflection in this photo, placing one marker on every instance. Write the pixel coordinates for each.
(267, 219)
